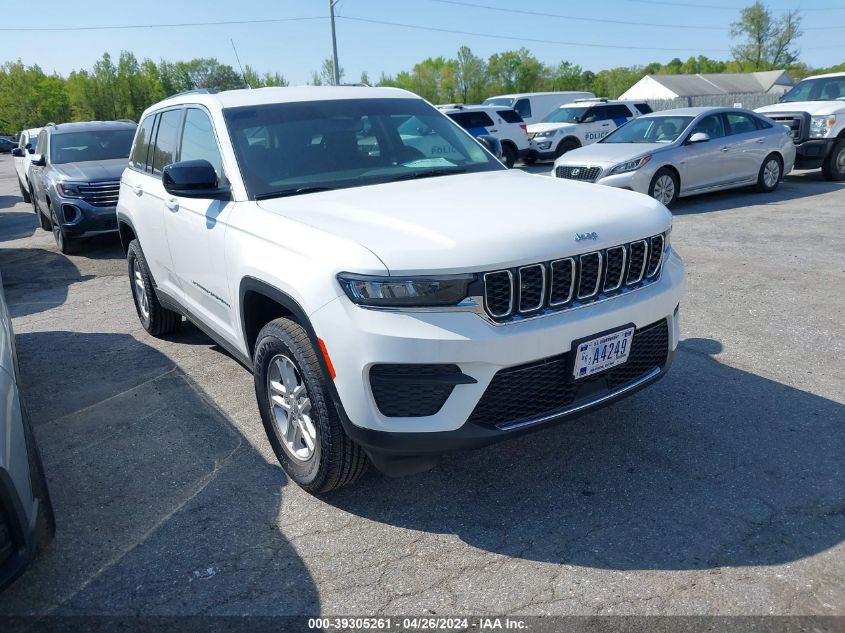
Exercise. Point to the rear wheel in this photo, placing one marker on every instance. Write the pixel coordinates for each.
(664, 187)
(299, 416)
(770, 173)
(833, 167)
(155, 319)
(509, 155)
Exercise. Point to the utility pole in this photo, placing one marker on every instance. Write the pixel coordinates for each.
(335, 67)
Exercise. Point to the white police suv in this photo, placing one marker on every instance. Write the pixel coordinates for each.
(503, 123)
(580, 123)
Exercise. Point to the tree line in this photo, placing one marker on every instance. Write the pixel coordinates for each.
(123, 89)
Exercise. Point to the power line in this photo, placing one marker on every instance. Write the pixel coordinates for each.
(722, 7)
(606, 20)
(161, 26)
(528, 39)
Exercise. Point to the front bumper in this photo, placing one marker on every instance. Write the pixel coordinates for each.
(357, 339)
(810, 154)
(79, 218)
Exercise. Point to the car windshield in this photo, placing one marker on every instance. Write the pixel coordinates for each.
(651, 129)
(498, 102)
(566, 114)
(821, 89)
(292, 148)
(75, 147)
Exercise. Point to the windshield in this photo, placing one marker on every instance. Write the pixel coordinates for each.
(76, 147)
(821, 89)
(292, 148)
(652, 129)
(566, 114)
(498, 101)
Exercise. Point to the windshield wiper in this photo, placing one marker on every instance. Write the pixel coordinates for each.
(428, 173)
(291, 192)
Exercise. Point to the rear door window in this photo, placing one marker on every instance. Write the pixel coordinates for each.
(509, 116)
(167, 139)
(740, 123)
(472, 120)
(644, 108)
(619, 113)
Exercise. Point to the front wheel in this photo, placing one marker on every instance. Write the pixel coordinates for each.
(769, 174)
(24, 192)
(65, 244)
(566, 145)
(833, 167)
(299, 416)
(664, 187)
(509, 155)
(155, 318)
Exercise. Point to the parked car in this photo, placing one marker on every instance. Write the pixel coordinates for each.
(75, 177)
(535, 106)
(26, 513)
(391, 306)
(814, 112)
(22, 157)
(580, 123)
(676, 153)
(6, 145)
(503, 123)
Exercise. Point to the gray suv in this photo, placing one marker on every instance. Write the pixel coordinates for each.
(75, 177)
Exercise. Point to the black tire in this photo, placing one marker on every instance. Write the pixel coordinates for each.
(335, 460)
(771, 169)
(65, 244)
(509, 155)
(155, 319)
(566, 145)
(43, 220)
(833, 167)
(24, 192)
(529, 160)
(659, 181)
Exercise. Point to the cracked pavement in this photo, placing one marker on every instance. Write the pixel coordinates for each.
(719, 490)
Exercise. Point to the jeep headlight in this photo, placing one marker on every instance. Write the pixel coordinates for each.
(631, 165)
(405, 292)
(69, 189)
(545, 134)
(820, 126)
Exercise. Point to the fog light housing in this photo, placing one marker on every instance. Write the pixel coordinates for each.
(71, 214)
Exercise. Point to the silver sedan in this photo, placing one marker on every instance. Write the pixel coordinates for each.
(684, 152)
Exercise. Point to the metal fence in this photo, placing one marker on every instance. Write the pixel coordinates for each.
(749, 101)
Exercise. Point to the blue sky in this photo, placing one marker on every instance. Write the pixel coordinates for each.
(297, 48)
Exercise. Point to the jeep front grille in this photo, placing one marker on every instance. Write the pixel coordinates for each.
(571, 282)
(101, 194)
(577, 172)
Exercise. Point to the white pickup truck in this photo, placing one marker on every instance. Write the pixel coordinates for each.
(814, 110)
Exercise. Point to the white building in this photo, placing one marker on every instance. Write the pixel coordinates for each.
(775, 82)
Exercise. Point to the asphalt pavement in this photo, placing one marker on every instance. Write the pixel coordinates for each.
(719, 490)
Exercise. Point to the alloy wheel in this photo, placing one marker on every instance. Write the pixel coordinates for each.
(140, 290)
(664, 189)
(771, 173)
(57, 230)
(290, 407)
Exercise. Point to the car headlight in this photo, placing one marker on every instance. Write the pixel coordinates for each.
(545, 134)
(405, 292)
(631, 165)
(69, 189)
(820, 126)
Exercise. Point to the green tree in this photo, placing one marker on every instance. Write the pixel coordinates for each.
(767, 42)
(470, 75)
(327, 72)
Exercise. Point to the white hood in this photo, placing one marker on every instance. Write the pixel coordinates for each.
(609, 153)
(474, 222)
(546, 127)
(817, 108)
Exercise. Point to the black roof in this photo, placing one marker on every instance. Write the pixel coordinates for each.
(91, 126)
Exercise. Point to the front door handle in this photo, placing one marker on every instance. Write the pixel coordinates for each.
(605, 124)
(725, 148)
(171, 204)
(761, 140)
(138, 189)
(494, 130)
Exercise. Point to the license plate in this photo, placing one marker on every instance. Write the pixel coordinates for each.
(603, 352)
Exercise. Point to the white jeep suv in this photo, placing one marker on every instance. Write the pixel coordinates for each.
(391, 305)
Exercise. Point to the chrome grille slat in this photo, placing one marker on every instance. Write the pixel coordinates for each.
(572, 282)
(101, 194)
(578, 172)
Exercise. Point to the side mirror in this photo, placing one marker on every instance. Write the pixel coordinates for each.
(30, 149)
(193, 179)
(699, 137)
(39, 160)
(588, 119)
(491, 144)
(18, 152)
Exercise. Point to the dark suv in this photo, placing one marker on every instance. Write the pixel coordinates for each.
(75, 177)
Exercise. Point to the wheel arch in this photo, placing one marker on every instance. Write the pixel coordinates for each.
(126, 231)
(570, 137)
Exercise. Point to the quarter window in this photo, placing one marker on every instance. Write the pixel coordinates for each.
(41, 146)
(523, 107)
(167, 138)
(199, 141)
(143, 140)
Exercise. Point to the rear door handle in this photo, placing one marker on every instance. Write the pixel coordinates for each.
(494, 130)
(138, 189)
(725, 148)
(605, 124)
(761, 140)
(171, 204)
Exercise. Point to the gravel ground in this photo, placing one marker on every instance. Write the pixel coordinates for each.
(719, 490)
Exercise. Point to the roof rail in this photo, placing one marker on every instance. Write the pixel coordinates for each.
(451, 106)
(196, 91)
(50, 123)
(592, 100)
